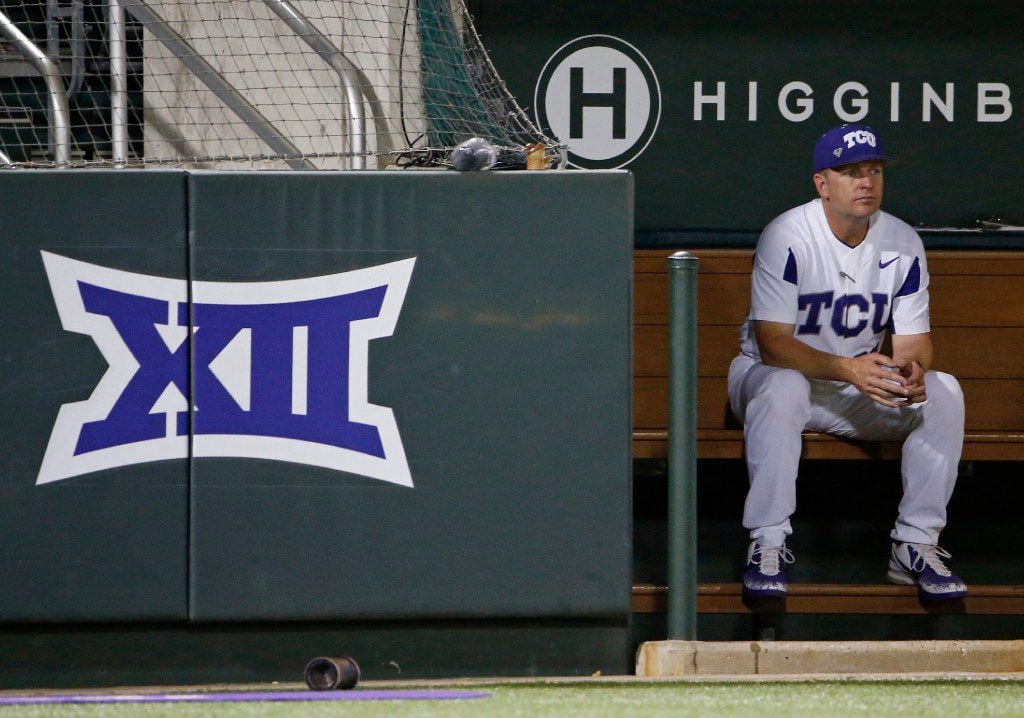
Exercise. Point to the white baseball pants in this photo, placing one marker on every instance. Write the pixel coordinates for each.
(776, 405)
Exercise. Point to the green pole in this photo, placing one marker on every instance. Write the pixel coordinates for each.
(682, 447)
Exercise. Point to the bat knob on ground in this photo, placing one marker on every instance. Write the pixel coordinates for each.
(332, 674)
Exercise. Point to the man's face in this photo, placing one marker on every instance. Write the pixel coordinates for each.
(853, 191)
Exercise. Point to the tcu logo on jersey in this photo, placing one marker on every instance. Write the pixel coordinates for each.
(850, 313)
(859, 137)
(279, 370)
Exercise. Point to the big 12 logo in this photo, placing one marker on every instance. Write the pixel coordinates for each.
(279, 370)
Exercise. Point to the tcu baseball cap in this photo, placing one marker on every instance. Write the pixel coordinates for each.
(845, 144)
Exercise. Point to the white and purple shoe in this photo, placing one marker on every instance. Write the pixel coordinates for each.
(765, 575)
(921, 564)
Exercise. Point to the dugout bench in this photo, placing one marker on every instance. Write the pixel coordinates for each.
(977, 315)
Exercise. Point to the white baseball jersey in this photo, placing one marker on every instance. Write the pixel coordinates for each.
(841, 300)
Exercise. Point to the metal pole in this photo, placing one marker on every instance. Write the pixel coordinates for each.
(216, 83)
(54, 85)
(5, 160)
(351, 78)
(118, 85)
(682, 447)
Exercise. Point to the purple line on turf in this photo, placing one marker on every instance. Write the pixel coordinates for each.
(246, 696)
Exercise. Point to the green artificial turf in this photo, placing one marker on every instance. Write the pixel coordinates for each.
(955, 699)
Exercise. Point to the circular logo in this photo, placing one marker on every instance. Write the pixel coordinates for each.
(599, 95)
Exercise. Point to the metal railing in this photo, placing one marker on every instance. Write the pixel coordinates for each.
(118, 84)
(358, 91)
(353, 80)
(60, 116)
(216, 83)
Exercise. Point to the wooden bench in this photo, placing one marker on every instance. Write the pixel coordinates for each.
(837, 598)
(977, 302)
(977, 315)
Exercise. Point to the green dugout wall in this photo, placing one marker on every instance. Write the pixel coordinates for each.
(474, 482)
(746, 89)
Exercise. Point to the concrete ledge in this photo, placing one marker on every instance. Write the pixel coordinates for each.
(663, 659)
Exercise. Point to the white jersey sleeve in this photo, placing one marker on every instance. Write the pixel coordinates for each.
(910, 302)
(773, 287)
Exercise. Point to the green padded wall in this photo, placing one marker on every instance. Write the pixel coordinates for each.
(108, 545)
(474, 481)
(508, 373)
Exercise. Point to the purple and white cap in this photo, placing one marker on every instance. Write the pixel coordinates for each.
(845, 144)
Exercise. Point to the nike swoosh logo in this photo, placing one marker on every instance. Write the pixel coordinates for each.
(883, 265)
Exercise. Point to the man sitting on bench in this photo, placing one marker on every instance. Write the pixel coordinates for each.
(831, 279)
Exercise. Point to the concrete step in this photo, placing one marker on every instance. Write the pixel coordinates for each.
(664, 659)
